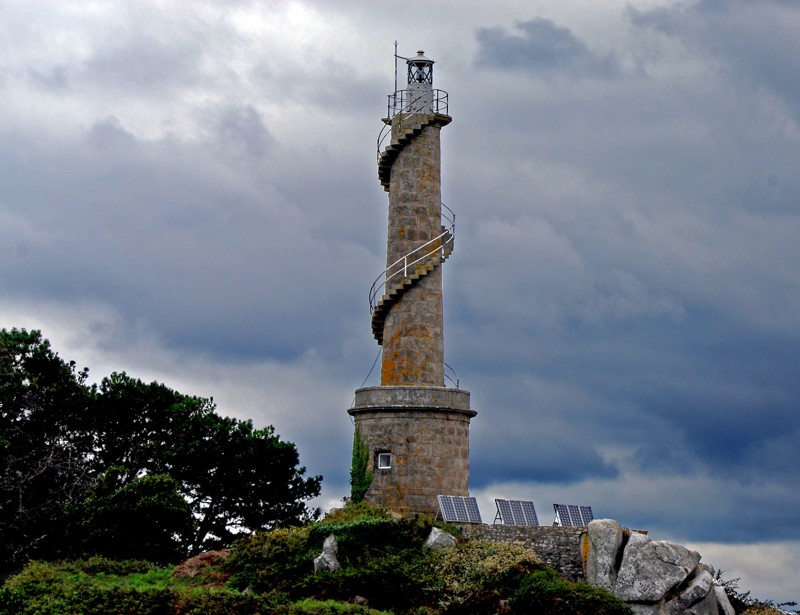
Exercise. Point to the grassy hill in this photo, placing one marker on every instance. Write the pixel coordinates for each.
(384, 569)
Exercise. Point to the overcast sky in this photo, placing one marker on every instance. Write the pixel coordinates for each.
(188, 192)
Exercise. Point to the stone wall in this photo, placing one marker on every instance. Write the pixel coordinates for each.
(558, 547)
(413, 347)
(425, 430)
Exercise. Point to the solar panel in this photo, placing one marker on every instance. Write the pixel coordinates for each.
(516, 512)
(571, 515)
(473, 513)
(446, 506)
(459, 509)
(530, 513)
(518, 516)
(503, 511)
(562, 514)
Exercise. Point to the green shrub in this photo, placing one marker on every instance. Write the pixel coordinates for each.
(326, 607)
(382, 560)
(56, 589)
(475, 576)
(354, 511)
(543, 591)
(273, 561)
(360, 470)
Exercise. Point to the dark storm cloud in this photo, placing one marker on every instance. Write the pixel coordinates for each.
(172, 239)
(754, 43)
(542, 47)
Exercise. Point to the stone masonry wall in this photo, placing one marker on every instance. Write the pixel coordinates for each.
(558, 547)
(429, 452)
(413, 348)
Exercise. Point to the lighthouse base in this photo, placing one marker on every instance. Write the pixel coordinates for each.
(418, 438)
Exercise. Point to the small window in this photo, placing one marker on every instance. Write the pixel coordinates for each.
(384, 461)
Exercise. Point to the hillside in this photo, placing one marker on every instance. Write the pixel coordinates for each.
(384, 568)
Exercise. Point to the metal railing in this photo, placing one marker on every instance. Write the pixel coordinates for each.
(417, 255)
(403, 100)
(454, 378)
(400, 102)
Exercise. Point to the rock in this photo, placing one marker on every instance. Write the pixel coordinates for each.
(605, 539)
(647, 609)
(723, 602)
(653, 577)
(327, 561)
(651, 568)
(439, 539)
(697, 597)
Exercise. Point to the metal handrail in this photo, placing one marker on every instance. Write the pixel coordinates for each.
(399, 100)
(444, 239)
(454, 378)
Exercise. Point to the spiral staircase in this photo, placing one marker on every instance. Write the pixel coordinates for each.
(405, 273)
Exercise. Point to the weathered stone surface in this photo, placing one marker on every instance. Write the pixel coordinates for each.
(557, 547)
(426, 431)
(439, 539)
(697, 597)
(413, 349)
(605, 540)
(327, 560)
(723, 602)
(651, 568)
(648, 609)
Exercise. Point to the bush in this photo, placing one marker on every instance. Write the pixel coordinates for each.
(543, 591)
(477, 573)
(272, 561)
(55, 589)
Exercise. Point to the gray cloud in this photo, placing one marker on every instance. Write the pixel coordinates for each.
(541, 47)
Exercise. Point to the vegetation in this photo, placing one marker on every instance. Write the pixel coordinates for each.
(360, 472)
(384, 569)
(127, 469)
(743, 602)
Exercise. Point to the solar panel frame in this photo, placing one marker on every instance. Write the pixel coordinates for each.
(562, 514)
(504, 508)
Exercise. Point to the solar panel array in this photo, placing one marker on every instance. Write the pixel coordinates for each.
(576, 516)
(459, 509)
(517, 512)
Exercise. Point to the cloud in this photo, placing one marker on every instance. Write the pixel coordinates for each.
(753, 43)
(542, 47)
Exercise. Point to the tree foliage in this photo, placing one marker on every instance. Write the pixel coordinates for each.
(127, 468)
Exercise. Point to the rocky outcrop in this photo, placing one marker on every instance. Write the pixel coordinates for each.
(654, 577)
(439, 539)
(327, 560)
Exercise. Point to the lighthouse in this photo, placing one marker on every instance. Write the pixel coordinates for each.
(414, 428)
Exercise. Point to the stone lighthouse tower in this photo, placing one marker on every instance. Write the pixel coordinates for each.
(415, 429)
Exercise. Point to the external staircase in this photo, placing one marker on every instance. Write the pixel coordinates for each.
(407, 271)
